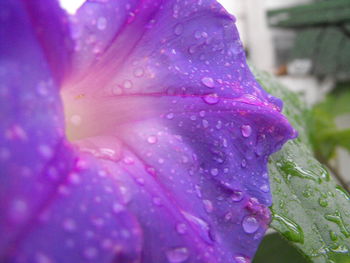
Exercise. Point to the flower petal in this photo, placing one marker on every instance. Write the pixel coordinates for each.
(44, 193)
(51, 27)
(98, 25)
(179, 96)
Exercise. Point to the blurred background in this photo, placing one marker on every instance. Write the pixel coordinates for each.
(306, 44)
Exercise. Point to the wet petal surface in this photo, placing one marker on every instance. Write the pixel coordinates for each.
(52, 208)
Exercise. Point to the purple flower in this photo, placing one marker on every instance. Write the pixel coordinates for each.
(133, 131)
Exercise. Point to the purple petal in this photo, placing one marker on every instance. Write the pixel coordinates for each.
(100, 25)
(51, 27)
(52, 210)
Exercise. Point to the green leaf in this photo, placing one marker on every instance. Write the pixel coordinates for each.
(309, 209)
(275, 249)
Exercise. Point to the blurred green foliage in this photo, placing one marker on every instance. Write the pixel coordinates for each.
(324, 134)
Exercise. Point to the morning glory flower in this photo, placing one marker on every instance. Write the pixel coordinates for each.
(132, 131)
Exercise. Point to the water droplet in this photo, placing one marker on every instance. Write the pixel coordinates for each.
(241, 259)
(197, 34)
(214, 171)
(157, 201)
(211, 99)
(170, 116)
(138, 72)
(205, 123)
(152, 139)
(293, 169)
(201, 225)
(204, 34)
(181, 228)
(250, 224)
(265, 188)
(107, 153)
(129, 160)
(45, 151)
(291, 230)
(323, 202)
(343, 192)
(101, 23)
(117, 208)
(140, 181)
(192, 49)
(131, 18)
(237, 195)
(127, 84)
(177, 255)
(202, 113)
(151, 170)
(42, 88)
(246, 130)
(333, 235)
(75, 120)
(208, 82)
(178, 29)
(198, 191)
(208, 205)
(244, 163)
(337, 219)
(16, 132)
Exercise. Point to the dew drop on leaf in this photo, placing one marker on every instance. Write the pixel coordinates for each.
(291, 230)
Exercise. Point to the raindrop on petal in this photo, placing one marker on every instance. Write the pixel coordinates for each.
(69, 225)
(127, 84)
(75, 120)
(241, 259)
(237, 195)
(101, 23)
(208, 205)
(152, 139)
(211, 99)
(244, 163)
(138, 72)
(265, 188)
(181, 228)
(208, 82)
(170, 116)
(178, 29)
(250, 224)
(177, 255)
(214, 171)
(246, 130)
